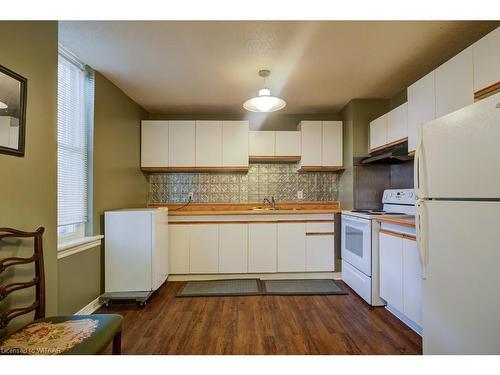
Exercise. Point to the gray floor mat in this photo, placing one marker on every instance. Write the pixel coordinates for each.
(240, 287)
(301, 287)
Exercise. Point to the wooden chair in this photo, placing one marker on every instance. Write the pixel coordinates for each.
(73, 334)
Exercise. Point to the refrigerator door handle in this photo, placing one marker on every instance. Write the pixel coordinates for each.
(422, 251)
(416, 162)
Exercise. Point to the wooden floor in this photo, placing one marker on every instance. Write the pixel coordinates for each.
(337, 324)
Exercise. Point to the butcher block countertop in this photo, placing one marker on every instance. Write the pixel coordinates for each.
(406, 221)
(283, 208)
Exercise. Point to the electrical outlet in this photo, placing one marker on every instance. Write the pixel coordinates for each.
(300, 194)
(190, 195)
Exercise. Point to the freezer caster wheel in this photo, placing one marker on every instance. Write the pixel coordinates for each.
(141, 304)
(107, 304)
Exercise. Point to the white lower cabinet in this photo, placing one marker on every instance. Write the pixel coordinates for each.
(204, 248)
(320, 254)
(233, 248)
(401, 275)
(291, 247)
(412, 281)
(178, 244)
(391, 270)
(262, 247)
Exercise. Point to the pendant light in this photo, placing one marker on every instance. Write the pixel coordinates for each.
(3, 105)
(264, 102)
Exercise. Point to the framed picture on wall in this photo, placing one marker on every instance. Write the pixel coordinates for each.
(12, 112)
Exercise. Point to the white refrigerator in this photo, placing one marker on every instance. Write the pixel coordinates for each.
(458, 229)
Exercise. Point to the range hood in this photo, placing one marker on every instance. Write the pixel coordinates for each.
(392, 155)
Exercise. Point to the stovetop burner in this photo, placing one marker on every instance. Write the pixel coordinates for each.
(377, 212)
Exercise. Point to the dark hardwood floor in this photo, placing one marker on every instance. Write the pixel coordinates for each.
(337, 324)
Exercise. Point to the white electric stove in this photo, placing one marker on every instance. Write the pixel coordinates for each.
(360, 264)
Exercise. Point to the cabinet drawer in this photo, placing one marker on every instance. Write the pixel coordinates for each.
(325, 227)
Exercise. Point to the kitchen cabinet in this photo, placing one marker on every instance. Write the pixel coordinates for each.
(262, 247)
(178, 245)
(321, 145)
(311, 133)
(154, 144)
(412, 281)
(487, 62)
(181, 143)
(378, 132)
(287, 143)
(391, 269)
(320, 252)
(331, 144)
(261, 143)
(291, 247)
(397, 124)
(233, 248)
(204, 248)
(235, 144)
(421, 107)
(208, 144)
(454, 83)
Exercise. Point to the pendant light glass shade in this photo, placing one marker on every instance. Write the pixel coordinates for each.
(264, 102)
(3, 105)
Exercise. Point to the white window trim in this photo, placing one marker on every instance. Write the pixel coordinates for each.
(77, 246)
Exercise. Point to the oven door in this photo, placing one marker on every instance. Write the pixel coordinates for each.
(357, 243)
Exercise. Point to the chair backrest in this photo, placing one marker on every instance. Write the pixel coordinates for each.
(38, 281)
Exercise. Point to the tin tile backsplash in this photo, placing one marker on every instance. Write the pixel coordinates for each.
(282, 181)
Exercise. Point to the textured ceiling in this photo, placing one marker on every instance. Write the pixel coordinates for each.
(211, 67)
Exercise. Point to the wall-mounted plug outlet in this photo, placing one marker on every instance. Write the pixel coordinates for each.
(190, 195)
(300, 194)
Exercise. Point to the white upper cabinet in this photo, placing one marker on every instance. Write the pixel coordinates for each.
(331, 146)
(378, 132)
(287, 143)
(154, 144)
(454, 83)
(181, 143)
(261, 143)
(311, 143)
(321, 144)
(487, 61)
(421, 107)
(235, 144)
(397, 124)
(208, 143)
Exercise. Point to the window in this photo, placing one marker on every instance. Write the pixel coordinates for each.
(74, 126)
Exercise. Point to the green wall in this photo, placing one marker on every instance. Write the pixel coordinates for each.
(28, 184)
(357, 115)
(118, 182)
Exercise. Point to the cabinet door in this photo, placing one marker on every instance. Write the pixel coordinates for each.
(178, 248)
(311, 143)
(291, 247)
(233, 248)
(262, 247)
(421, 107)
(454, 83)
(154, 143)
(391, 270)
(235, 143)
(287, 143)
(320, 253)
(261, 143)
(397, 123)
(181, 144)
(412, 281)
(378, 132)
(332, 144)
(487, 60)
(160, 248)
(204, 248)
(208, 143)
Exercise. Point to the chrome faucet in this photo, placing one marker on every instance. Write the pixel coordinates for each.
(272, 202)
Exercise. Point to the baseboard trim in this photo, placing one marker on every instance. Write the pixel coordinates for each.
(90, 308)
(265, 276)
